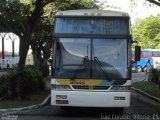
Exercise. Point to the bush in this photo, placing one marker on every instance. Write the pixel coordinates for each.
(22, 83)
(45, 70)
(155, 76)
(3, 86)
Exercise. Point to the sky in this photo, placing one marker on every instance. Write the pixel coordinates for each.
(139, 11)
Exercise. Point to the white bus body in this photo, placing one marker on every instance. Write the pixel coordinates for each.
(91, 60)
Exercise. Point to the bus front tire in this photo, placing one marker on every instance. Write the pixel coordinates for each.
(138, 68)
(144, 69)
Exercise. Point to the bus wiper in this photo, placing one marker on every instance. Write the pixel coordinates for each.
(101, 67)
(83, 62)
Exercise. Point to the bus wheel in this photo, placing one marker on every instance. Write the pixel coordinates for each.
(144, 69)
(138, 68)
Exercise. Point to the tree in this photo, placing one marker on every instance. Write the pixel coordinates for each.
(146, 3)
(43, 31)
(22, 18)
(14, 18)
(148, 31)
(154, 2)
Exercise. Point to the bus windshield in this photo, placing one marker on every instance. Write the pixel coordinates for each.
(80, 58)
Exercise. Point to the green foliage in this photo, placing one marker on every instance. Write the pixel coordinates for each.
(45, 70)
(21, 83)
(147, 32)
(35, 98)
(42, 34)
(31, 80)
(32, 21)
(148, 87)
(13, 16)
(75, 4)
(155, 76)
(3, 86)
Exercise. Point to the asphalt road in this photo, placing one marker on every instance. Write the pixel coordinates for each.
(138, 76)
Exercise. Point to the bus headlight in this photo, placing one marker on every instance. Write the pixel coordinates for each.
(120, 88)
(60, 87)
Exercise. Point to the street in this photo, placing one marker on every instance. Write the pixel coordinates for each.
(138, 76)
(142, 108)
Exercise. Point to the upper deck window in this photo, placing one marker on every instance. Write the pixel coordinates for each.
(82, 25)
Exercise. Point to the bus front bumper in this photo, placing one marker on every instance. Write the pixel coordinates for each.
(90, 98)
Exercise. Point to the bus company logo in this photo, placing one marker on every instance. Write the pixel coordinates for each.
(77, 83)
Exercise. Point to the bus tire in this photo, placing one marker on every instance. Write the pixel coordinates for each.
(138, 68)
(144, 69)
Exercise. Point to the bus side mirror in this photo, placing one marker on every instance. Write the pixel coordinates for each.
(137, 53)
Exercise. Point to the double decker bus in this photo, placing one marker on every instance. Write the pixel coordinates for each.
(91, 59)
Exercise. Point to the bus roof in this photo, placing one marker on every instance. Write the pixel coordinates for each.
(92, 12)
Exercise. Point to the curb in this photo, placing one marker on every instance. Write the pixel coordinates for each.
(29, 107)
(146, 94)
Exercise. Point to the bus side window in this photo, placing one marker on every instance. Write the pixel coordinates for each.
(142, 54)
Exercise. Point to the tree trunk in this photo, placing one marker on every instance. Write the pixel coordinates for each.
(25, 40)
(36, 55)
(40, 61)
(23, 50)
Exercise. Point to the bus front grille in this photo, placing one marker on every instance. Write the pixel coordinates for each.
(81, 87)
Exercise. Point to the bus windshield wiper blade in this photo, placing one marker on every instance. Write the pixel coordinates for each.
(102, 68)
(84, 60)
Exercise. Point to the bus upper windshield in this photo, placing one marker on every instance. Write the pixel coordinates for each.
(91, 58)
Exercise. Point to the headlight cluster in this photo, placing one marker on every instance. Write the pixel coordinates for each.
(60, 87)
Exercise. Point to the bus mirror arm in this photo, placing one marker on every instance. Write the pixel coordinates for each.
(135, 41)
